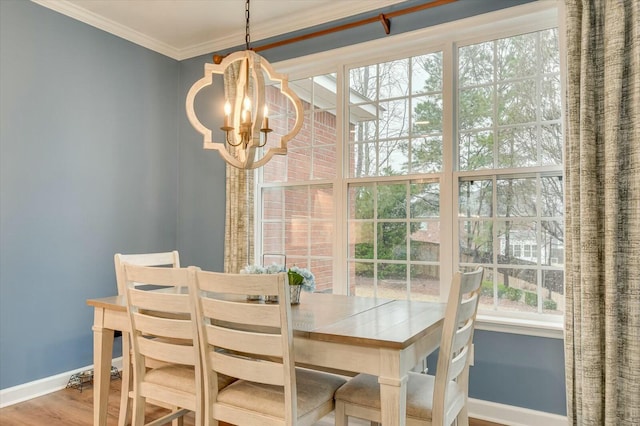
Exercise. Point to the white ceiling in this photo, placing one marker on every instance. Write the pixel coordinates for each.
(183, 29)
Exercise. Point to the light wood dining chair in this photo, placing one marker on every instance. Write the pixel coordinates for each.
(166, 259)
(438, 400)
(162, 330)
(253, 342)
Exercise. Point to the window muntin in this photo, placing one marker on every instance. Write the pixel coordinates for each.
(510, 119)
(495, 147)
(509, 109)
(395, 117)
(394, 239)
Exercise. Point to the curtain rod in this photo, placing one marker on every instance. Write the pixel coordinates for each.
(383, 18)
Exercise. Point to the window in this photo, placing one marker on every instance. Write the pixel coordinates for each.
(510, 176)
(411, 167)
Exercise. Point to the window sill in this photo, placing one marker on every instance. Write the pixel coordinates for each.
(549, 328)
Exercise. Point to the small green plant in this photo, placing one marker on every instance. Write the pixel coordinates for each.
(549, 304)
(513, 294)
(486, 289)
(531, 298)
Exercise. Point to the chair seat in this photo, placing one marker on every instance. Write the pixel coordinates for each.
(364, 390)
(313, 389)
(181, 377)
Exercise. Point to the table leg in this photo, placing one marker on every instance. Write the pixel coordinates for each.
(102, 354)
(393, 400)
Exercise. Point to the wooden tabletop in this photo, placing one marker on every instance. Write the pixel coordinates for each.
(348, 319)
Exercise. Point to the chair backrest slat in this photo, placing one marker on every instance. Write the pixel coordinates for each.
(167, 352)
(170, 258)
(244, 341)
(462, 337)
(251, 369)
(467, 308)
(162, 302)
(242, 313)
(458, 363)
(170, 328)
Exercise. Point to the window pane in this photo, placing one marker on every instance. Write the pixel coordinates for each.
(425, 241)
(516, 197)
(427, 114)
(362, 159)
(361, 281)
(551, 145)
(426, 155)
(476, 108)
(476, 64)
(392, 281)
(323, 272)
(427, 73)
(361, 200)
(476, 241)
(273, 238)
(392, 158)
(362, 122)
(392, 201)
(475, 150)
(517, 147)
(517, 241)
(425, 282)
(392, 240)
(394, 79)
(394, 119)
(551, 194)
(517, 102)
(361, 240)
(550, 58)
(425, 199)
(553, 292)
(363, 81)
(515, 58)
(552, 243)
(476, 198)
(517, 290)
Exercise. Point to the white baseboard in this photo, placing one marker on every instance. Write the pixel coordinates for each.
(26, 391)
(511, 415)
(479, 409)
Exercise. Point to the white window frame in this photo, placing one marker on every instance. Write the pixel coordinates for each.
(529, 17)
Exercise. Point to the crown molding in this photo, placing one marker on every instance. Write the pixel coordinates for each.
(283, 25)
(83, 15)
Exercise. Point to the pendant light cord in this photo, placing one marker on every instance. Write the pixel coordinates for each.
(247, 37)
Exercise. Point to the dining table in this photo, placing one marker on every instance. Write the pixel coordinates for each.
(348, 334)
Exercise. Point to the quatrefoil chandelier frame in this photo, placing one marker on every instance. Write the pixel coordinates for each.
(246, 124)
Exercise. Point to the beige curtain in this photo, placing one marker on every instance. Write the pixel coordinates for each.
(602, 208)
(238, 233)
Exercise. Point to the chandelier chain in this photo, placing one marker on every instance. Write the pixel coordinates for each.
(247, 37)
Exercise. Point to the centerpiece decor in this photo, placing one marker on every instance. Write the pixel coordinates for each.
(299, 279)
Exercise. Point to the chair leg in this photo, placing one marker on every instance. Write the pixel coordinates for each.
(138, 411)
(341, 417)
(463, 417)
(179, 421)
(124, 416)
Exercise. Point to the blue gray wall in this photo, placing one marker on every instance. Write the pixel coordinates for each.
(88, 168)
(97, 157)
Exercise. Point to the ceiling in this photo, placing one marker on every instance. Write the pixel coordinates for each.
(183, 29)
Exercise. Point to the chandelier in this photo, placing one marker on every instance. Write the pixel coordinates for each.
(246, 120)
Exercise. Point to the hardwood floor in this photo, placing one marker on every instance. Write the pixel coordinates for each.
(71, 407)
